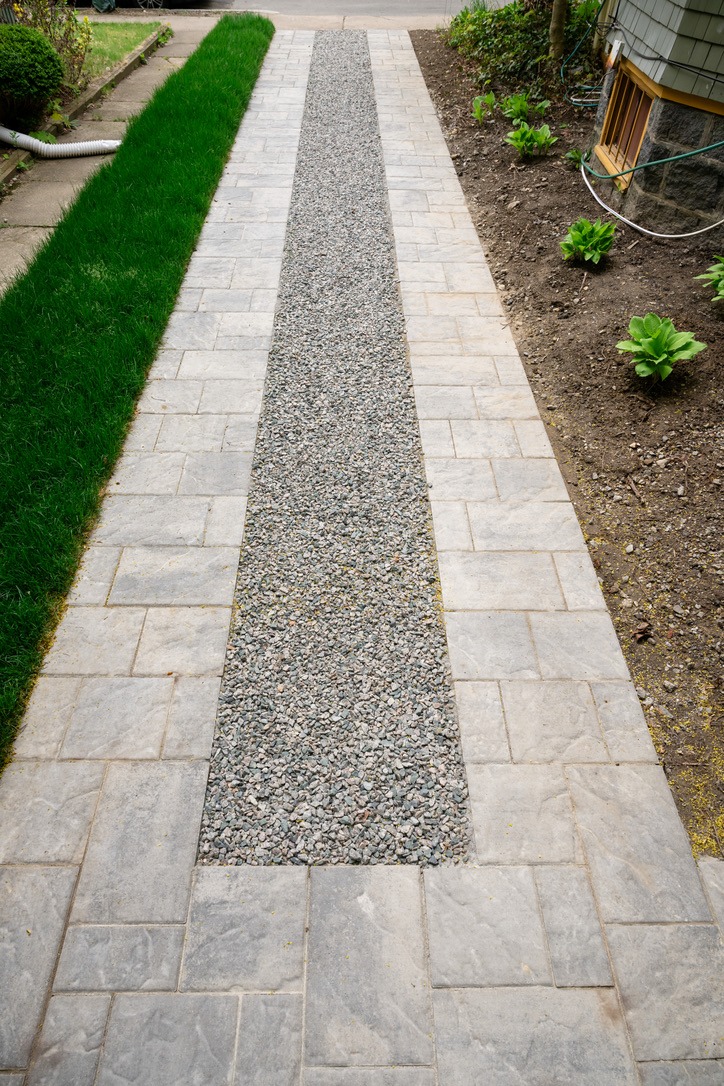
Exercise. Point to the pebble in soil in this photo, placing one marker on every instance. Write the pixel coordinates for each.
(336, 736)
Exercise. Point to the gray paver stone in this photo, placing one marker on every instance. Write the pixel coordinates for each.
(552, 722)
(638, 852)
(157, 520)
(246, 929)
(491, 581)
(528, 526)
(95, 641)
(369, 1076)
(70, 1042)
(191, 718)
(529, 480)
(46, 811)
(33, 908)
(270, 1041)
(367, 990)
(521, 814)
(118, 718)
(170, 1040)
(183, 641)
(216, 473)
(176, 576)
(671, 979)
(141, 851)
(683, 1073)
(482, 727)
(46, 718)
(578, 645)
(490, 645)
(510, 1036)
(119, 957)
(619, 710)
(575, 940)
(484, 927)
(712, 875)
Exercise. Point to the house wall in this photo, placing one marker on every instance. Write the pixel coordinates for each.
(686, 31)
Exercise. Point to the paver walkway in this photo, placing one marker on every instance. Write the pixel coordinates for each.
(579, 944)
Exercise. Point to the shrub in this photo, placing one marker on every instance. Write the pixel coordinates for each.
(531, 141)
(69, 35)
(588, 241)
(511, 45)
(30, 74)
(656, 345)
(714, 275)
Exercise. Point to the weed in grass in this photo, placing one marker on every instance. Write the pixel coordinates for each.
(75, 346)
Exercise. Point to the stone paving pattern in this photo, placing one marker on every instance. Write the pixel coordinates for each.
(580, 945)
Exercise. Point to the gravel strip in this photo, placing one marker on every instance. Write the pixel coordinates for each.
(336, 738)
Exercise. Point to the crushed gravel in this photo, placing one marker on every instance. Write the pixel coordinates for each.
(336, 737)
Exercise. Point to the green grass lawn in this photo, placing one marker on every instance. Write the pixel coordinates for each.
(111, 42)
(79, 331)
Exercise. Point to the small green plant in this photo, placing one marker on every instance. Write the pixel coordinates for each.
(531, 141)
(44, 137)
(588, 241)
(518, 107)
(656, 346)
(715, 277)
(575, 157)
(30, 74)
(483, 106)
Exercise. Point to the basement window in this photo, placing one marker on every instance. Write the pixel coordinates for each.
(624, 126)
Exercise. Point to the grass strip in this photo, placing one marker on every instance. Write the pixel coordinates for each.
(80, 329)
(112, 42)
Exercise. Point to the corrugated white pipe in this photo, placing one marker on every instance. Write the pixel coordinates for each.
(57, 150)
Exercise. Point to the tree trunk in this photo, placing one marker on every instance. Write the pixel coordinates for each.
(558, 26)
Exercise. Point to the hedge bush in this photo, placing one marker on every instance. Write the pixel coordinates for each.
(30, 75)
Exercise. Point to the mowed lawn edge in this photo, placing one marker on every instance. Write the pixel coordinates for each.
(80, 330)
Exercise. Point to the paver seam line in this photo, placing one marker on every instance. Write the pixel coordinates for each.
(305, 971)
(428, 959)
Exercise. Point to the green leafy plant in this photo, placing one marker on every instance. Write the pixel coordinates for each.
(656, 346)
(715, 278)
(30, 74)
(588, 241)
(69, 35)
(44, 137)
(518, 107)
(574, 157)
(531, 141)
(483, 106)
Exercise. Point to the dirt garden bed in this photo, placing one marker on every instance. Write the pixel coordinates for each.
(644, 465)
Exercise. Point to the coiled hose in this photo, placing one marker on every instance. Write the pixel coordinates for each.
(57, 150)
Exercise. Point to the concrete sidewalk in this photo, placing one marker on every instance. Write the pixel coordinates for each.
(580, 943)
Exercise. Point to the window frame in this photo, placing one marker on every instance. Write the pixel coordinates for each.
(629, 85)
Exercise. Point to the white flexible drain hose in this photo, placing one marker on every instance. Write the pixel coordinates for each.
(57, 150)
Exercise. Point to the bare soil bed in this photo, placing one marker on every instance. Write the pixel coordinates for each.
(644, 464)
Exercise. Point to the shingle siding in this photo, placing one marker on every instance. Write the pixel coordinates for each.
(686, 31)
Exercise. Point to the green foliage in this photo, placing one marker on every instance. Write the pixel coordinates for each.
(80, 329)
(510, 44)
(69, 35)
(30, 74)
(44, 137)
(588, 241)
(656, 346)
(483, 106)
(574, 157)
(531, 141)
(715, 278)
(518, 107)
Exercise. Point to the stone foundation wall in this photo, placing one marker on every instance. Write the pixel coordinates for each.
(677, 196)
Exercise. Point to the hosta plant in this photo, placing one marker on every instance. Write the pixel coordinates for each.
(715, 277)
(483, 106)
(574, 157)
(588, 241)
(531, 141)
(656, 346)
(518, 107)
